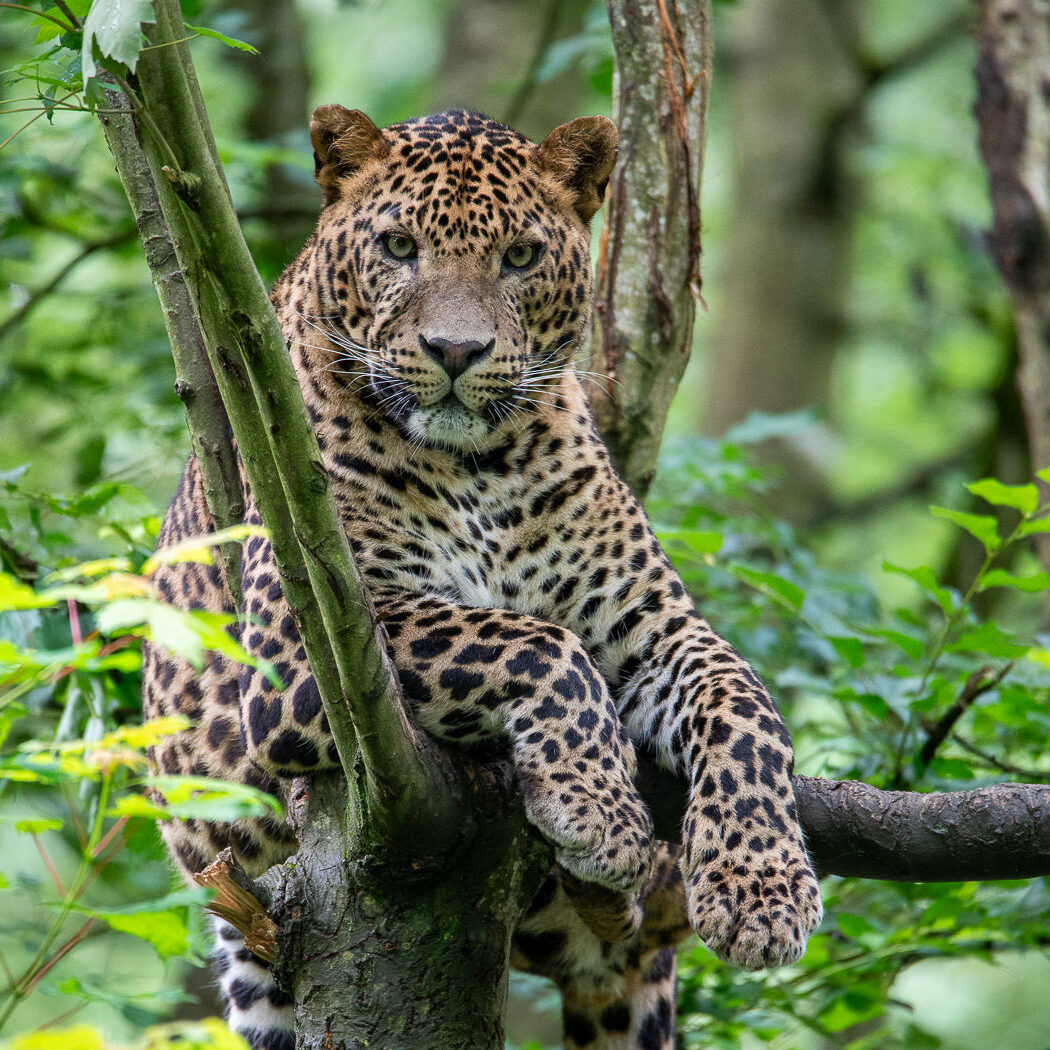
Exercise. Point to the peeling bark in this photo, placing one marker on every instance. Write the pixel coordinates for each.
(648, 275)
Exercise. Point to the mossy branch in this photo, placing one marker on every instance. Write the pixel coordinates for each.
(206, 417)
(398, 771)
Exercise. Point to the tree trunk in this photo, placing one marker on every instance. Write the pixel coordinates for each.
(649, 267)
(781, 314)
(398, 949)
(1013, 117)
(481, 66)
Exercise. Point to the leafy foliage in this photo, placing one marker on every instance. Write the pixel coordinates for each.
(865, 688)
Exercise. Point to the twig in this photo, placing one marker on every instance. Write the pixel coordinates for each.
(236, 902)
(1039, 776)
(18, 131)
(981, 681)
(64, 8)
(34, 299)
(40, 14)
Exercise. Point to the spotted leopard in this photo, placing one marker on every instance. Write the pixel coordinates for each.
(433, 319)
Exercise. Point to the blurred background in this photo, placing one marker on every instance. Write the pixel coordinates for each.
(855, 363)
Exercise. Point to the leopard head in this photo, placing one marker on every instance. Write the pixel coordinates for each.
(452, 264)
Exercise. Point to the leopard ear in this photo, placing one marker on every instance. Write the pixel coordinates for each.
(343, 140)
(580, 156)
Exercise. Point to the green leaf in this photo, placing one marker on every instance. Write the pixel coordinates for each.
(912, 647)
(79, 1037)
(776, 587)
(166, 931)
(229, 41)
(698, 541)
(924, 577)
(1038, 581)
(951, 768)
(16, 595)
(982, 526)
(854, 925)
(199, 548)
(850, 649)
(988, 640)
(34, 827)
(138, 806)
(874, 705)
(208, 799)
(1043, 475)
(1030, 528)
(116, 26)
(1024, 498)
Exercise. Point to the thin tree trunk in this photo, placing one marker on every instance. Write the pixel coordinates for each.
(1013, 117)
(648, 275)
(781, 314)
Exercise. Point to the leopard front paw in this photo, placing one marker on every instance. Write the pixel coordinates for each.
(602, 835)
(753, 907)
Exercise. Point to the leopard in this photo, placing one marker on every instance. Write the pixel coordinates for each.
(435, 320)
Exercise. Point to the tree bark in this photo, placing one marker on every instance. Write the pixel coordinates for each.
(401, 948)
(853, 829)
(648, 275)
(1013, 118)
(195, 384)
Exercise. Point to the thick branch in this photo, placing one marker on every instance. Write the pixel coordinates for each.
(208, 424)
(1000, 832)
(649, 268)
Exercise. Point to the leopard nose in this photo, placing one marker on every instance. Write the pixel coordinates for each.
(455, 358)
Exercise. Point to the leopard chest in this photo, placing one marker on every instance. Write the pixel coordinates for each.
(525, 539)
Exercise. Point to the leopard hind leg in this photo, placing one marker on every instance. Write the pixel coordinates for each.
(616, 994)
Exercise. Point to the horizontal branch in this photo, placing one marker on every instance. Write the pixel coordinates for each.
(853, 829)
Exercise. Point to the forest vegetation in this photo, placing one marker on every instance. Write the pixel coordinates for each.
(852, 480)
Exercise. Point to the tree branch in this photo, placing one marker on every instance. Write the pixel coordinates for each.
(648, 275)
(1037, 776)
(195, 384)
(401, 769)
(16, 316)
(980, 682)
(853, 829)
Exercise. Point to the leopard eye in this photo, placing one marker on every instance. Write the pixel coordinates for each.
(400, 245)
(518, 256)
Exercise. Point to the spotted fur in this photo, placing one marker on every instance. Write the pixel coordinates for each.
(432, 319)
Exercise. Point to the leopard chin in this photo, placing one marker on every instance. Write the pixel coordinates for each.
(448, 424)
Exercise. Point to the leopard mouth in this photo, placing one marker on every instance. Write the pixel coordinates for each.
(448, 424)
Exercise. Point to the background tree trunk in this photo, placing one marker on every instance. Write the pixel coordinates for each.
(1013, 116)
(787, 264)
(481, 60)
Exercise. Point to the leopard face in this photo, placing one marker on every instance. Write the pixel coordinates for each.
(455, 264)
